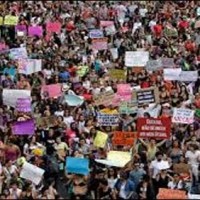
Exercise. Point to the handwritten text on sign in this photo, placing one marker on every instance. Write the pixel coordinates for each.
(154, 128)
(108, 120)
(183, 116)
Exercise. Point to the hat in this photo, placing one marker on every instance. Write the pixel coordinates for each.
(65, 87)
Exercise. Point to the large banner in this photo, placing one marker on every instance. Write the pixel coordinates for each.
(154, 128)
(136, 58)
(183, 116)
(124, 138)
(107, 119)
(146, 96)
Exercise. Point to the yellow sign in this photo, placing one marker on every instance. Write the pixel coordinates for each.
(119, 74)
(109, 111)
(120, 157)
(11, 20)
(100, 139)
(1, 21)
(82, 70)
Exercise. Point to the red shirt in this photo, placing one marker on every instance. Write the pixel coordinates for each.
(157, 29)
(183, 24)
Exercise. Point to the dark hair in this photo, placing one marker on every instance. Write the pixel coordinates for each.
(159, 154)
(114, 174)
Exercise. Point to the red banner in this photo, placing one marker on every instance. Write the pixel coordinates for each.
(124, 138)
(154, 128)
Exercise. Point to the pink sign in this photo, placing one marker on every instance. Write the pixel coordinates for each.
(100, 43)
(51, 91)
(53, 27)
(3, 46)
(35, 31)
(124, 91)
(106, 23)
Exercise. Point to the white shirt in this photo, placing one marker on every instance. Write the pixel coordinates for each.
(122, 193)
(68, 120)
(193, 157)
(172, 185)
(59, 113)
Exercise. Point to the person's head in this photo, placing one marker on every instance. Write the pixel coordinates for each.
(175, 144)
(103, 183)
(58, 140)
(176, 177)
(112, 172)
(159, 156)
(152, 141)
(123, 175)
(100, 174)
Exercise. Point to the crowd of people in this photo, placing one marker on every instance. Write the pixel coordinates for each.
(87, 72)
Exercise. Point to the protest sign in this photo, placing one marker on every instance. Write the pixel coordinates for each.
(53, 27)
(100, 43)
(77, 165)
(100, 139)
(167, 62)
(106, 23)
(96, 33)
(171, 74)
(32, 173)
(170, 32)
(188, 76)
(21, 28)
(18, 53)
(11, 20)
(104, 98)
(183, 116)
(10, 96)
(124, 91)
(197, 24)
(73, 100)
(82, 70)
(23, 127)
(23, 105)
(124, 138)
(136, 58)
(51, 91)
(157, 128)
(35, 31)
(118, 74)
(29, 66)
(46, 122)
(128, 108)
(154, 65)
(110, 30)
(165, 193)
(146, 96)
(120, 158)
(108, 120)
(114, 52)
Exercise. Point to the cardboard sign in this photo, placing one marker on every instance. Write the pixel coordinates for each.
(124, 138)
(96, 33)
(43, 122)
(165, 193)
(117, 74)
(24, 127)
(104, 98)
(172, 74)
(136, 58)
(146, 96)
(32, 173)
(154, 65)
(11, 20)
(100, 43)
(154, 128)
(167, 62)
(108, 120)
(183, 116)
(100, 139)
(128, 108)
(77, 165)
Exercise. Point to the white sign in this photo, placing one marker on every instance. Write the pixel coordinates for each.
(171, 74)
(183, 116)
(17, 53)
(110, 30)
(153, 65)
(29, 66)
(188, 76)
(136, 58)
(96, 33)
(114, 52)
(10, 96)
(32, 173)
